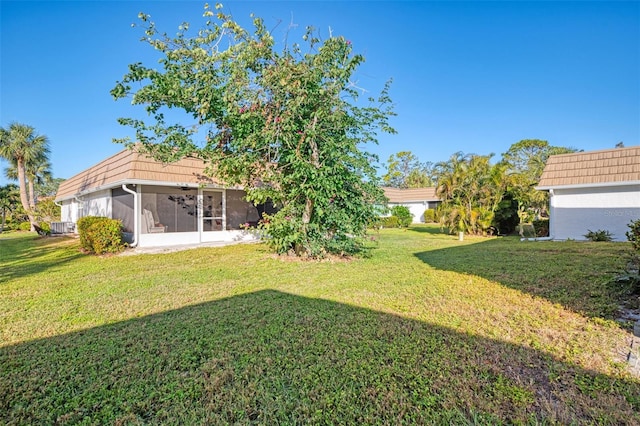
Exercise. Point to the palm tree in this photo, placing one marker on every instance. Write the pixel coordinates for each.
(9, 199)
(470, 188)
(22, 146)
(37, 171)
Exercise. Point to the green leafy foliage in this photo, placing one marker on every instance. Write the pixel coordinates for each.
(541, 227)
(24, 226)
(429, 216)
(100, 235)
(471, 189)
(287, 126)
(599, 235)
(631, 275)
(404, 170)
(633, 234)
(524, 162)
(403, 214)
(389, 222)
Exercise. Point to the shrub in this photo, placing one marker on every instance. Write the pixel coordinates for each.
(24, 226)
(631, 275)
(100, 235)
(542, 227)
(390, 222)
(403, 214)
(429, 216)
(633, 235)
(599, 235)
(83, 225)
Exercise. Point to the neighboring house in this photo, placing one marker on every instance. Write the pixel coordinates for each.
(159, 204)
(417, 200)
(597, 190)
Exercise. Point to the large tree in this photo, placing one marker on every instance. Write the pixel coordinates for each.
(22, 147)
(525, 161)
(404, 170)
(287, 125)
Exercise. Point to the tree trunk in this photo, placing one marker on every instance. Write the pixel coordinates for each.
(24, 199)
(315, 161)
(4, 217)
(32, 195)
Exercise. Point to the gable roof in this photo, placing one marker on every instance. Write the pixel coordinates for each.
(398, 195)
(593, 168)
(130, 166)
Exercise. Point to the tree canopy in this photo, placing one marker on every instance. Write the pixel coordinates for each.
(404, 170)
(287, 125)
(525, 161)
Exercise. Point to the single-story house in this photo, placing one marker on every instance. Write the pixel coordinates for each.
(596, 190)
(417, 200)
(159, 204)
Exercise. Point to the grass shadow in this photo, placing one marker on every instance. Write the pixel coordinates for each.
(429, 228)
(542, 269)
(270, 357)
(31, 254)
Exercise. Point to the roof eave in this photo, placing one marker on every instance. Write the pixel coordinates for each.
(121, 182)
(589, 185)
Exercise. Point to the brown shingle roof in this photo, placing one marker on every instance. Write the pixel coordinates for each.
(592, 168)
(397, 195)
(131, 166)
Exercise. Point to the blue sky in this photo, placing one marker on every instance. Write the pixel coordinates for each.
(467, 76)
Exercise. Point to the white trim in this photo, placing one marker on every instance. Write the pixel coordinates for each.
(589, 185)
(121, 182)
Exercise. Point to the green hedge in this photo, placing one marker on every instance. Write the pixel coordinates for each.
(388, 222)
(100, 235)
(429, 216)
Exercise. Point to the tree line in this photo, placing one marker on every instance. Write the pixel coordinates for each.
(479, 196)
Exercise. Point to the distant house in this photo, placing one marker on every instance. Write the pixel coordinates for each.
(159, 204)
(417, 200)
(597, 190)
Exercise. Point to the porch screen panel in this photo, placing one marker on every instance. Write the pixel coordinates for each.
(122, 208)
(212, 211)
(172, 209)
(239, 211)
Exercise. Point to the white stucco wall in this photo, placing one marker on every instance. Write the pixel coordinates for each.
(96, 204)
(416, 208)
(573, 212)
(66, 211)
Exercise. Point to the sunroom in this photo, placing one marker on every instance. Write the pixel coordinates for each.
(160, 204)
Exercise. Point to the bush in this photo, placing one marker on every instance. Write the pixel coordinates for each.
(541, 227)
(633, 235)
(83, 225)
(631, 276)
(429, 216)
(599, 235)
(389, 222)
(100, 235)
(24, 226)
(403, 214)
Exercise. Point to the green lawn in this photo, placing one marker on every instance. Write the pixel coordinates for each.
(425, 330)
